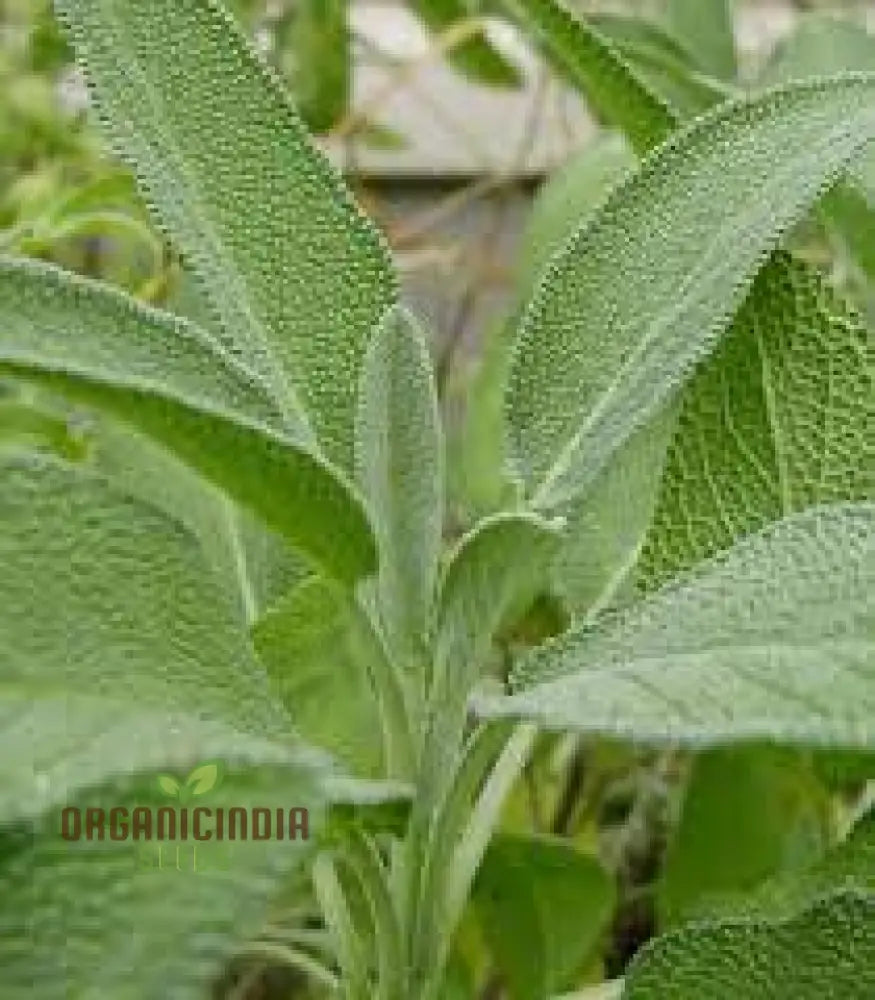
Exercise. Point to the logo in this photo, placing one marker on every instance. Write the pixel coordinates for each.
(185, 819)
(203, 779)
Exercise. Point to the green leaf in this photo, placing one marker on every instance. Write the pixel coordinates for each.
(542, 906)
(566, 201)
(203, 779)
(596, 566)
(104, 595)
(254, 563)
(771, 640)
(498, 567)
(478, 483)
(172, 381)
(294, 272)
(827, 949)
(101, 918)
(474, 56)
(605, 529)
(850, 865)
(317, 33)
(169, 785)
(663, 65)
(318, 661)
(25, 422)
(749, 813)
(617, 94)
(400, 467)
(820, 45)
(775, 421)
(688, 232)
(704, 28)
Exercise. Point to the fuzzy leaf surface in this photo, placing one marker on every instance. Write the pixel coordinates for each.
(827, 948)
(400, 468)
(172, 381)
(596, 356)
(293, 271)
(771, 640)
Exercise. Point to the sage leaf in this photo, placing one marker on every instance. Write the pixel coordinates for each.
(295, 274)
(594, 362)
(400, 468)
(770, 640)
(172, 381)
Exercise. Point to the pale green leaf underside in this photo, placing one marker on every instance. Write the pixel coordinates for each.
(295, 273)
(825, 950)
(400, 470)
(102, 919)
(596, 356)
(170, 380)
(773, 639)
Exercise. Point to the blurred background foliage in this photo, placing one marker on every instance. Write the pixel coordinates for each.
(633, 842)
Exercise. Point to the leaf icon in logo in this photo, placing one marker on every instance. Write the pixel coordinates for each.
(203, 779)
(169, 785)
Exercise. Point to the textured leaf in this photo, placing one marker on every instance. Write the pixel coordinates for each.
(173, 382)
(542, 907)
(102, 918)
(605, 529)
(615, 92)
(818, 46)
(704, 28)
(825, 950)
(104, 595)
(318, 663)
(689, 230)
(400, 466)
(748, 813)
(568, 199)
(474, 56)
(778, 419)
(296, 275)
(772, 640)
(254, 563)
